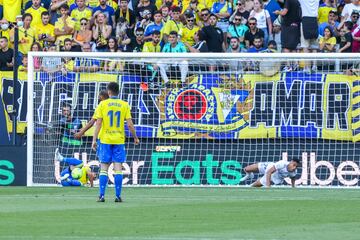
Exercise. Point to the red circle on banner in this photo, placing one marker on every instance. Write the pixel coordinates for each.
(190, 105)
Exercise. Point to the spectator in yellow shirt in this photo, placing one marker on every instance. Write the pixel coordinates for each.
(80, 12)
(45, 31)
(26, 35)
(327, 43)
(154, 45)
(188, 31)
(172, 25)
(64, 27)
(36, 10)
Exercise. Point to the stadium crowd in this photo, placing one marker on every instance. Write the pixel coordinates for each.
(174, 26)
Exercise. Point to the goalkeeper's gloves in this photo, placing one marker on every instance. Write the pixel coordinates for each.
(66, 176)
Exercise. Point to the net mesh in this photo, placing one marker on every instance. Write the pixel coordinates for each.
(201, 120)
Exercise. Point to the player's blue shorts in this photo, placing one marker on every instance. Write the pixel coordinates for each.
(69, 182)
(98, 143)
(112, 153)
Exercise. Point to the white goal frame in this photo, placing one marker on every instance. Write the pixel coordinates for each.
(166, 56)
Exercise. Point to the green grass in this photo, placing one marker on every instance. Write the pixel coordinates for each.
(180, 213)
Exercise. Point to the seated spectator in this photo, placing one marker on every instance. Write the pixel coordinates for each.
(223, 10)
(252, 33)
(188, 31)
(108, 11)
(136, 43)
(276, 34)
(157, 25)
(145, 5)
(86, 64)
(345, 38)
(263, 19)
(328, 41)
(237, 29)
(200, 43)
(113, 65)
(127, 14)
(45, 31)
(174, 46)
(213, 35)
(154, 45)
(234, 46)
(325, 9)
(204, 18)
(5, 30)
(165, 11)
(64, 27)
(26, 35)
(330, 23)
(122, 32)
(350, 8)
(24, 66)
(101, 32)
(36, 47)
(6, 55)
(258, 45)
(35, 10)
(239, 9)
(195, 7)
(173, 25)
(68, 46)
(355, 19)
(146, 20)
(84, 34)
(272, 47)
(80, 12)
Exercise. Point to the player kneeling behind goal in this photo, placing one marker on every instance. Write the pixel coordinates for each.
(273, 173)
(76, 174)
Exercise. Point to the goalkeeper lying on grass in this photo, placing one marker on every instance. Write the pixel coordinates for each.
(76, 174)
(273, 173)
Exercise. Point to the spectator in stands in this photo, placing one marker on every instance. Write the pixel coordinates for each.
(253, 32)
(200, 43)
(154, 44)
(36, 47)
(108, 11)
(11, 9)
(213, 35)
(258, 45)
(356, 40)
(188, 31)
(237, 29)
(5, 29)
(173, 25)
(157, 25)
(290, 25)
(223, 10)
(84, 34)
(79, 12)
(26, 35)
(345, 39)
(101, 31)
(64, 27)
(45, 31)
(54, 10)
(113, 65)
(272, 47)
(195, 7)
(249, 5)
(68, 46)
(332, 23)
(234, 46)
(239, 9)
(122, 32)
(165, 14)
(145, 5)
(174, 46)
(349, 8)
(36, 10)
(263, 19)
(6, 55)
(24, 64)
(325, 9)
(51, 64)
(136, 43)
(328, 41)
(127, 14)
(355, 18)
(86, 64)
(276, 33)
(146, 20)
(205, 15)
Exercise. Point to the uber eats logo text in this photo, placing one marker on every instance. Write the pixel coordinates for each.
(7, 175)
(166, 169)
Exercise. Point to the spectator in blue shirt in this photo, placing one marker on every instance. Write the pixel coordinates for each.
(86, 64)
(331, 23)
(258, 45)
(108, 11)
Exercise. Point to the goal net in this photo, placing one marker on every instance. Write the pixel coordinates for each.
(201, 118)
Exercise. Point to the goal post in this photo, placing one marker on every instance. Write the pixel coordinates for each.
(201, 117)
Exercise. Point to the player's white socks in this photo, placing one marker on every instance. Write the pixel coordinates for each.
(58, 156)
(247, 176)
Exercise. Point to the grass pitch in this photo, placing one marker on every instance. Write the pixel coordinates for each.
(180, 213)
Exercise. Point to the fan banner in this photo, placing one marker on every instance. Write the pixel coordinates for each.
(211, 106)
